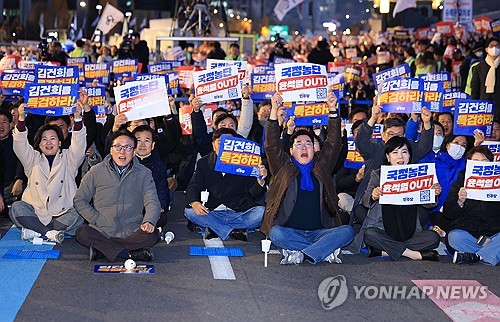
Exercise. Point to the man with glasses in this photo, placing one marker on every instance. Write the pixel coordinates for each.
(372, 150)
(118, 199)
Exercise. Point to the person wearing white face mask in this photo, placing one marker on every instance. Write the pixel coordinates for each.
(485, 84)
(449, 162)
(436, 143)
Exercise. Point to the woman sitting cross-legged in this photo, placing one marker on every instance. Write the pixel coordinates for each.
(394, 230)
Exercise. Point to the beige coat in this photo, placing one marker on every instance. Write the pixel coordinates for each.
(50, 191)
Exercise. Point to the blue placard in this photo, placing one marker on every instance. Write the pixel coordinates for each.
(97, 71)
(471, 115)
(263, 69)
(161, 68)
(311, 113)
(97, 97)
(175, 63)
(431, 95)
(51, 99)
(338, 86)
(398, 71)
(449, 100)
(124, 68)
(173, 87)
(263, 86)
(56, 74)
(238, 156)
(401, 95)
(143, 77)
(354, 160)
(14, 82)
(495, 27)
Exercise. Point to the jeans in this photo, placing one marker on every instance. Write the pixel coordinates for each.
(316, 244)
(222, 222)
(24, 212)
(462, 241)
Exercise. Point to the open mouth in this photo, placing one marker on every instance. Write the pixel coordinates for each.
(304, 155)
(400, 163)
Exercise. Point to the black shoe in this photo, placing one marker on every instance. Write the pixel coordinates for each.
(95, 254)
(141, 255)
(430, 255)
(465, 258)
(192, 226)
(209, 234)
(373, 252)
(240, 234)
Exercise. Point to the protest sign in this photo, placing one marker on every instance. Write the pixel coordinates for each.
(438, 77)
(495, 27)
(14, 82)
(354, 160)
(185, 117)
(143, 77)
(56, 74)
(383, 57)
(238, 156)
(337, 85)
(160, 68)
(50, 99)
(407, 184)
(217, 84)
(401, 95)
(186, 79)
(263, 69)
(219, 63)
(307, 114)
(337, 67)
(263, 86)
(124, 68)
(431, 96)
(301, 82)
(79, 62)
(142, 99)
(398, 71)
(97, 71)
(445, 28)
(449, 100)
(173, 84)
(494, 147)
(97, 98)
(482, 180)
(30, 65)
(470, 115)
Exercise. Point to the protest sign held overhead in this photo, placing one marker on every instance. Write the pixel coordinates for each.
(470, 115)
(314, 113)
(124, 68)
(97, 98)
(238, 156)
(97, 71)
(401, 95)
(398, 71)
(218, 63)
(56, 74)
(14, 82)
(263, 86)
(301, 82)
(50, 99)
(217, 84)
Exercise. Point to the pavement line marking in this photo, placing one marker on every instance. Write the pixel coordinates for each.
(18, 275)
(462, 300)
(221, 266)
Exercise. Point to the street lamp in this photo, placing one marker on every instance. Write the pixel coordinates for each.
(98, 7)
(83, 4)
(385, 8)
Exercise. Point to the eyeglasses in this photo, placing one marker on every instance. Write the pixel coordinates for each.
(118, 148)
(300, 145)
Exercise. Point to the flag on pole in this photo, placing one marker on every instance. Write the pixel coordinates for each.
(284, 6)
(109, 18)
(402, 5)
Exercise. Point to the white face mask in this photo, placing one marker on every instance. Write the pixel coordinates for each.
(479, 53)
(493, 51)
(438, 140)
(456, 151)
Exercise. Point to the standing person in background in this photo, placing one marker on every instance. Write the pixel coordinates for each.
(140, 51)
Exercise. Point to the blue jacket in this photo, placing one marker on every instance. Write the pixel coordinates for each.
(447, 170)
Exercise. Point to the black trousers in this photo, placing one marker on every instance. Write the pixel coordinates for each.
(111, 247)
(379, 239)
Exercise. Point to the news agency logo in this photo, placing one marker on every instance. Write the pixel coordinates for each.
(333, 292)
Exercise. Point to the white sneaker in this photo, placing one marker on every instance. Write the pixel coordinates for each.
(334, 258)
(55, 236)
(291, 257)
(28, 234)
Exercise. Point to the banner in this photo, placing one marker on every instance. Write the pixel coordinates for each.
(431, 96)
(284, 6)
(263, 86)
(142, 99)
(110, 16)
(51, 99)
(494, 147)
(301, 82)
(238, 156)
(56, 74)
(471, 115)
(186, 76)
(449, 100)
(407, 184)
(307, 114)
(97, 71)
(97, 98)
(124, 68)
(482, 180)
(79, 62)
(218, 63)
(217, 84)
(403, 70)
(162, 67)
(401, 95)
(14, 82)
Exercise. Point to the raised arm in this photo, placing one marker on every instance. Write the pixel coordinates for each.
(24, 151)
(246, 117)
(333, 144)
(276, 156)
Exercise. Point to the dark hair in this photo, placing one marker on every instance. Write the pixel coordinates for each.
(490, 40)
(356, 111)
(7, 114)
(301, 132)
(234, 45)
(410, 51)
(263, 103)
(480, 149)
(65, 118)
(80, 43)
(356, 124)
(320, 141)
(394, 143)
(222, 117)
(445, 113)
(126, 133)
(219, 132)
(436, 123)
(44, 128)
(393, 122)
(219, 109)
(145, 128)
(450, 138)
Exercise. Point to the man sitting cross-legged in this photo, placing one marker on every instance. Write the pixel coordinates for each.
(118, 199)
(301, 215)
(235, 203)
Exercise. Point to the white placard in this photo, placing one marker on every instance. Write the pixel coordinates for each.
(218, 84)
(301, 82)
(482, 180)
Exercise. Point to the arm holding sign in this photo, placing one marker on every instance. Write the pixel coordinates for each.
(78, 144)
(332, 146)
(424, 145)
(276, 156)
(201, 137)
(373, 190)
(246, 117)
